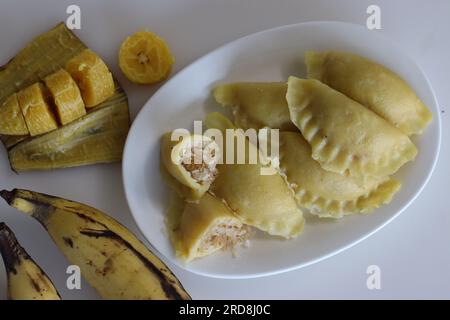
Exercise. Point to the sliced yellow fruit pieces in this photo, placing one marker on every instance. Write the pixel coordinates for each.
(68, 102)
(98, 137)
(145, 58)
(11, 118)
(34, 103)
(92, 77)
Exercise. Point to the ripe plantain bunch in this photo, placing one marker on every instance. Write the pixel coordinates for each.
(110, 257)
(60, 106)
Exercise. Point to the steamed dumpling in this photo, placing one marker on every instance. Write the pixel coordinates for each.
(345, 137)
(325, 193)
(259, 200)
(372, 85)
(188, 166)
(256, 104)
(200, 229)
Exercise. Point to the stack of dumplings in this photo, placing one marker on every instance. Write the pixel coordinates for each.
(344, 132)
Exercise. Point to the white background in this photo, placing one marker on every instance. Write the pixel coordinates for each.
(413, 252)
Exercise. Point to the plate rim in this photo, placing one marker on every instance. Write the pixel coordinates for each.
(357, 241)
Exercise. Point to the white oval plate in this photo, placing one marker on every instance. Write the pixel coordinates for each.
(271, 55)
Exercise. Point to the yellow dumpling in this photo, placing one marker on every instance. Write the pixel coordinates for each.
(325, 193)
(256, 104)
(259, 200)
(200, 229)
(372, 85)
(346, 137)
(189, 165)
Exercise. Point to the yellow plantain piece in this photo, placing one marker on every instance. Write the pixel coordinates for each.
(67, 97)
(110, 257)
(97, 137)
(26, 280)
(12, 121)
(36, 109)
(92, 76)
(44, 55)
(79, 141)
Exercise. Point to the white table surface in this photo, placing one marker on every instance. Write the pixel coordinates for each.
(413, 251)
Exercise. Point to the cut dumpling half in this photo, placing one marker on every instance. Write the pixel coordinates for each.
(325, 193)
(201, 229)
(256, 104)
(261, 200)
(191, 163)
(344, 136)
(372, 85)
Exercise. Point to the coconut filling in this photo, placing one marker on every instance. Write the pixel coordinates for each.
(200, 160)
(227, 235)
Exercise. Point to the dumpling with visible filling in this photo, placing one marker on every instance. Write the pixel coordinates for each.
(256, 104)
(346, 137)
(259, 200)
(325, 193)
(188, 166)
(372, 85)
(200, 229)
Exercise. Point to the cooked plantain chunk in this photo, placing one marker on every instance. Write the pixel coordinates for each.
(11, 118)
(34, 103)
(68, 102)
(92, 76)
(97, 137)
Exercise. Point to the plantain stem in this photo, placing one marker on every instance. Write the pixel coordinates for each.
(8, 195)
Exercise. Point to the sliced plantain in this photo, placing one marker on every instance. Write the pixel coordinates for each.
(96, 137)
(145, 58)
(67, 97)
(12, 121)
(44, 55)
(92, 76)
(36, 109)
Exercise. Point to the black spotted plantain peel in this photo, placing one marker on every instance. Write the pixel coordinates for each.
(60, 106)
(110, 257)
(26, 280)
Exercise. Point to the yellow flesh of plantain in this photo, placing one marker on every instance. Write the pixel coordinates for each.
(66, 95)
(97, 137)
(80, 142)
(92, 76)
(38, 114)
